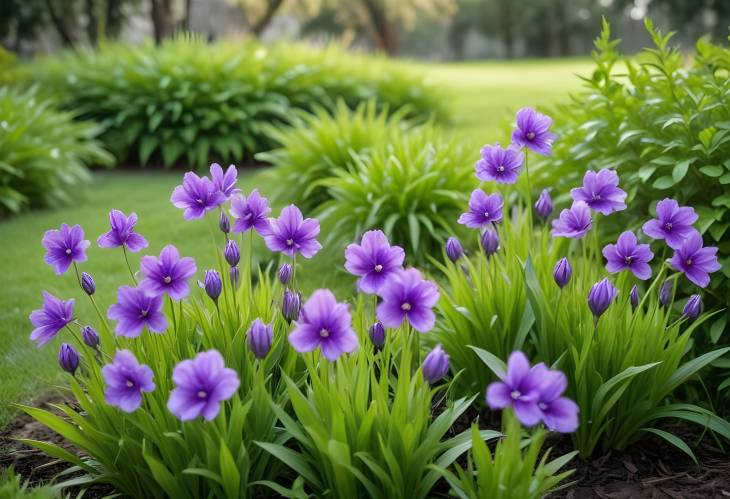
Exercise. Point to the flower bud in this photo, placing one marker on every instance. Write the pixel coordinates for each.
(90, 337)
(224, 223)
(562, 272)
(88, 284)
(435, 365)
(213, 284)
(544, 205)
(693, 307)
(666, 292)
(601, 296)
(490, 242)
(235, 276)
(285, 273)
(259, 338)
(454, 250)
(377, 334)
(634, 298)
(290, 305)
(232, 253)
(68, 358)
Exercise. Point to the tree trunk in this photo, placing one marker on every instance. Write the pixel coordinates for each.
(272, 7)
(92, 26)
(384, 32)
(58, 22)
(162, 20)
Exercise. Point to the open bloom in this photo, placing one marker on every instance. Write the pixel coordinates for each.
(533, 131)
(696, 261)
(326, 324)
(519, 388)
(224, 182)
(50, 319)
(600, 191)
(167, 274)
(64, 246)
(291, 233)
(125, 380)
(122, 233)
(574, 222)
(500, 165)
(250, 212)
(374, 260)
(407, 295)
(673, 223)
(558, 413)
(136, 310)
(483, 210)
(628, 254)
(201, 384)
(197, 195)
(601, 296)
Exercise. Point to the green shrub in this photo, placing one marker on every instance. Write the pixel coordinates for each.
(191, 101)
(13, 487)
(43, 152)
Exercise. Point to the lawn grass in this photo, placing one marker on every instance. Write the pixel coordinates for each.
(484, 97)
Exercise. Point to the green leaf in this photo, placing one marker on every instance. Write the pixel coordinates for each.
(664, 182)
(674, 440)
(717, 328)
(498, 366)
(147, 145)
(680, 170)
(712, 170)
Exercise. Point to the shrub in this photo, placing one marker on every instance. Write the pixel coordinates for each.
(43, 152)
(188, 100)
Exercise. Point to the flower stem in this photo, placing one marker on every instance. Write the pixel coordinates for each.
(129, 267)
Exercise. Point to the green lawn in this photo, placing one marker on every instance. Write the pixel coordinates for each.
(484, 97)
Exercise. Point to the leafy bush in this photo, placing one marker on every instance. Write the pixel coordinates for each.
(43, 152)
(189, 100)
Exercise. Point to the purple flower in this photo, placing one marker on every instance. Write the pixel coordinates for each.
(125, 381)
(574, 222)
(87, 283)
(326, 324)
(68, 358)
(601, 296)
(533, 131)
(259, 338)
(634, 297)
(291, 233)
(544, 205)
(600, 192)
(167, 274)
(454, 250)
(90, 336)
(374, 260)
(291, 302)
(231, 253)
(490, 242)
(250, 213)
(500, 165)
(197, 195)
(666, 293)
(136, 310)
(696, 261)
(519, 388)
(693, 307)
(50, 319)
(435, 365)
(483, 210)
(224, 224)
(65, 246)
(201, 384)
(628, 254)
(285, 273)
(122, 233)
(213, 284)
(225, 183)
(377, 334)
(672, 223)
(407, 296)
(558, 413)
(562, 272)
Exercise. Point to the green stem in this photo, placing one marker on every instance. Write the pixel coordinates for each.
(129, 267)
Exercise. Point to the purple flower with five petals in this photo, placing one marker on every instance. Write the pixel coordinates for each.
(291, 233)
(558, 413)
(628, 254)
(64, 246)
(125, 381)
(406, 295)
(696, 261)
(373, 260)
(673, 223)
(197, 195)
(600, 191)
(122, 233)
(167, 274)
(224, 182)
(519, 388)
(533, 131)
(250, 213)
(135, 310)
(574, 222)
(50, 319)
(483, 210)
(500, 165)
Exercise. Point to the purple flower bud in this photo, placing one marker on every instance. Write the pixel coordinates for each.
(259, 338)
(435, 365)
(490, 242)
(377, 334)
(666, 292)
(232, 253)
(562, 272)
(68, 358)
(544, 205)
(454, 250)
(290, 305)
(90, 337)
(88, 284)
(285, 273)
(235, 276)
(601, 296)
(692, 307)
(634, 298)
(224, 223)
(213, 284)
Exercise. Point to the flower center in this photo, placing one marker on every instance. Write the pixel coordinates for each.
(129, 383)
(289, 242)
(323, 333)
(143, 313)
(378, 268)
(542, 406)
(406, 306)
(68, 251)
(199, 201)
(530, 135)
(486, 214)
(668, 226)
(689, 262)
(596, 197)
(515, 394)
(202, 394)
(500, 168)
(167, 279)
(628, 260)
